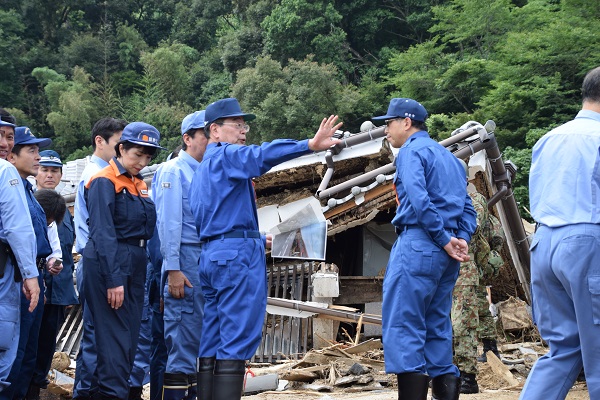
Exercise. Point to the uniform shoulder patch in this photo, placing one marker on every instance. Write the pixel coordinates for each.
(13, 182)
(166, 185)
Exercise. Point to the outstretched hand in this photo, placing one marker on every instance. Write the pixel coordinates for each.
(324, 137)
(458, 249)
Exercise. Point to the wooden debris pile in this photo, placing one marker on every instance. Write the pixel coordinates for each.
(338, 368)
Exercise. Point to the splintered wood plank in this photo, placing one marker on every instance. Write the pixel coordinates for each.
(500, 369)
(371, 344)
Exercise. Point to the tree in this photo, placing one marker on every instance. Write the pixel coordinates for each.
(291, 101)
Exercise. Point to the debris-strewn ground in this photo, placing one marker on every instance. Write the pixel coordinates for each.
(347, 371)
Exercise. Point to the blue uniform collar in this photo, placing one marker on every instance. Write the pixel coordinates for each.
(189, 159)
(98, 161)
(588, 114)
(415, 135)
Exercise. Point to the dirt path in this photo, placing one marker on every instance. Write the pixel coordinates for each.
(579, 392)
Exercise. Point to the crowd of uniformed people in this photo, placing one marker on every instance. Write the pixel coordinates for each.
(172, 283)
(150, 311)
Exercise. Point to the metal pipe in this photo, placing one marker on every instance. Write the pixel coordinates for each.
(359, 138)
(329, 172)
(346, 315)
(357, 181)
(497, 196)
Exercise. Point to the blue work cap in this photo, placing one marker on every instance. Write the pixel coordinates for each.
(141, 133)
(24, 136)
(4, 123)
(194, 120)
(404, 108)
(50, 158)
(225, 108)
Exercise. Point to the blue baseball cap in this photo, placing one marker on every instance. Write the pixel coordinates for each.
(141, 133)
(23, 135)
(403, 108)
(50, 158)
(225, 108)
(194, 120)
(4, 123)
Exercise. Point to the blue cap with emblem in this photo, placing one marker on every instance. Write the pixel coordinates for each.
(141, 133)
(4, 123)
(24, 136)
(194, 120)
(225, 108)
(50, 158)
(404, 108)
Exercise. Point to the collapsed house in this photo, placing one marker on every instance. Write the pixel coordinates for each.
(352, 187)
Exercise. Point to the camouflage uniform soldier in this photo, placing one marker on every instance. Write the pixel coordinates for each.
(471, 318)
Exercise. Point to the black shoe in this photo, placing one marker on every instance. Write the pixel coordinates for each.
(468, 383)
(413, 386)
(205, 377)
(228, 379)
(489, 345)
(445, 387)
(33, 393)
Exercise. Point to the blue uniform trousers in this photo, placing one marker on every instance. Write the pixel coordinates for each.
(183, 317)
(52, 318)
(10, 305)
(565, 288)
(117, 330)
(233, 274)
(85, 363)
(417, 300)
(141, 364)
(158, 355)
(24, 364)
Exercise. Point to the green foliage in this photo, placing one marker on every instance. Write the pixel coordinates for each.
(291, 101)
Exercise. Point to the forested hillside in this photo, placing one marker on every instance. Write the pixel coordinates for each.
(66, 63)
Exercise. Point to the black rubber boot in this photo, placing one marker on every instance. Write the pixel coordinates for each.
(135, 393)
(205, 368)
(33, 393)
(489, 345)
(412, 386)
(192, 391)
(175, 386)
(468, 383)
(445, 387)
(228, 382)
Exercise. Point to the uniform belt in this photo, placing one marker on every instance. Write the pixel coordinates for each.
(40, 263)
(404, 228)
(235, 235)
(134, 242)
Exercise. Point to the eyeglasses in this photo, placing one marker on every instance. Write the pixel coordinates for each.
(238, 125)
(389, 121)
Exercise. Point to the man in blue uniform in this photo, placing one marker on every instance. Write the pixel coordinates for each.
(232, 262)
(25, 157)
(16, 252)
(434, 221)
(60, 291)
(180, 248)
(106, 133)
(565, 252)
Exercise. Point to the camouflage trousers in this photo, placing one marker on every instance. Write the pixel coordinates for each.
(471, 318)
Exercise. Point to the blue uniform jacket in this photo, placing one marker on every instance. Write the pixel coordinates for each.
(222, 197)
(431, 186)
(60, 289)
(38, 219)
(120, 210)
(16, 228)
(170, 191)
